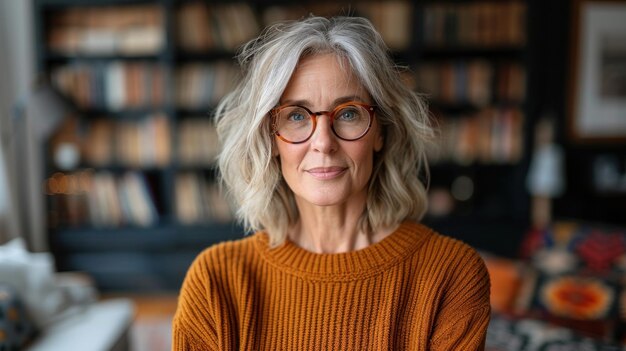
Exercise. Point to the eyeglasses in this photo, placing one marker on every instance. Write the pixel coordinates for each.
(295, 124)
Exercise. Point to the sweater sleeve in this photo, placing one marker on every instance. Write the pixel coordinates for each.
(463, 318)
(194, 325)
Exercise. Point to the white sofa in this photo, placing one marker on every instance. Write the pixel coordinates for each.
(101, 326)
(63, 308)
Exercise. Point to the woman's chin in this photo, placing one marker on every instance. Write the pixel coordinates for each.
(324, 201)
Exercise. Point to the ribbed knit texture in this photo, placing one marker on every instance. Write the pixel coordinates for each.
(414, 290)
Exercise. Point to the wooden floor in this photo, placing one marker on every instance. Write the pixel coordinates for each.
(152, 324)
(150, 306)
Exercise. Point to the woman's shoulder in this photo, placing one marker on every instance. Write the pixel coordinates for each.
(452, 253)
(437, 242)
(228, 252)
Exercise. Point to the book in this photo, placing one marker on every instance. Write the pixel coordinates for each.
(114, 85)
(457, 82)
(479, 24)
(199, 200)
(202, 27)
(107, 30)
(489, 136)
(200, 86)
(198, 143)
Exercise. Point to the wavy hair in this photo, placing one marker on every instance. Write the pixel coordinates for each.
(246, 163)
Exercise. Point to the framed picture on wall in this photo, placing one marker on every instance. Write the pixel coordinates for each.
(597, 86)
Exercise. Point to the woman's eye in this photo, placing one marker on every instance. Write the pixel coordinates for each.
(296, 117)
(347, 115)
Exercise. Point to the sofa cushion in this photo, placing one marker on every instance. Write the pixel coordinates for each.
(575, 278)
(507, 333)
(16, 328)
(586, 303)
(99, 326)
(577, 247)
(505, 276)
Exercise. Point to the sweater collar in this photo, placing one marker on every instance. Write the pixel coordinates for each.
(371, 260)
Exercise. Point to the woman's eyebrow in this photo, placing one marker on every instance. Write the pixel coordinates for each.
(304, 103)
(349, 98)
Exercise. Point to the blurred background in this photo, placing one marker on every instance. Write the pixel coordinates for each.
(107, 144)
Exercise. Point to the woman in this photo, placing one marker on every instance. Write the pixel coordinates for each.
(322, 150)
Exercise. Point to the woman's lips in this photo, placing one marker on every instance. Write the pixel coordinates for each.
(326, 172)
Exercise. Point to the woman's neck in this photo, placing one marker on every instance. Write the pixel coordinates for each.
(332, 229)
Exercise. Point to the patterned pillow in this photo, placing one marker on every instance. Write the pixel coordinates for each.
(577, 278)
(16, 329)
(577, 247)
(589, 304)
(506, 333)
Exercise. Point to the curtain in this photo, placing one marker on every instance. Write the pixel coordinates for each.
(17, 72)
(8, 217)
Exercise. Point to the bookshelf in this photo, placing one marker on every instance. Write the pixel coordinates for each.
(473, 66)
(139, 201)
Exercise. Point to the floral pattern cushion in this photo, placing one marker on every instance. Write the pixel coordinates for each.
(577, 247)
(506, 333)
(576, 278)
(16, 329)
(588, 304)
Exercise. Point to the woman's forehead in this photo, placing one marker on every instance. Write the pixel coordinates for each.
(322, 76)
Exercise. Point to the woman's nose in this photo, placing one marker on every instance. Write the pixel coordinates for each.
(323, 139)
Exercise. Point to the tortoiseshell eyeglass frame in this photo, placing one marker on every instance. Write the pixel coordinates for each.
(371, 109)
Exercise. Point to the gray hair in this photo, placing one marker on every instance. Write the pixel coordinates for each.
(246, 163)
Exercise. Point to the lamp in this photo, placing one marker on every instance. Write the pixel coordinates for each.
(545, 178)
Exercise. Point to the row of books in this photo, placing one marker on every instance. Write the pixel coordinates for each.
(199, 200)
(491, 136)
(472, 82)
(489, 24)
(100, 199)
(201, 27)
(148, 142)
(197, 142)
(140, 29)
(393, 19)
(112, 85)
(134, 143)
(104, 200)
(117, 85)
(200, 86)
(121, 30)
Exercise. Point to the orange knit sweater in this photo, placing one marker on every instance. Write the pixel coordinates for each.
(414, 290)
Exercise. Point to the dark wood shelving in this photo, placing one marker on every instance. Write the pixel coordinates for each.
(158, 238)
(465, 52)
(65, 3)
(115, 168)
(501, 236)
(121, 114)
(195, 112)
(204, 56)
(156, 257)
